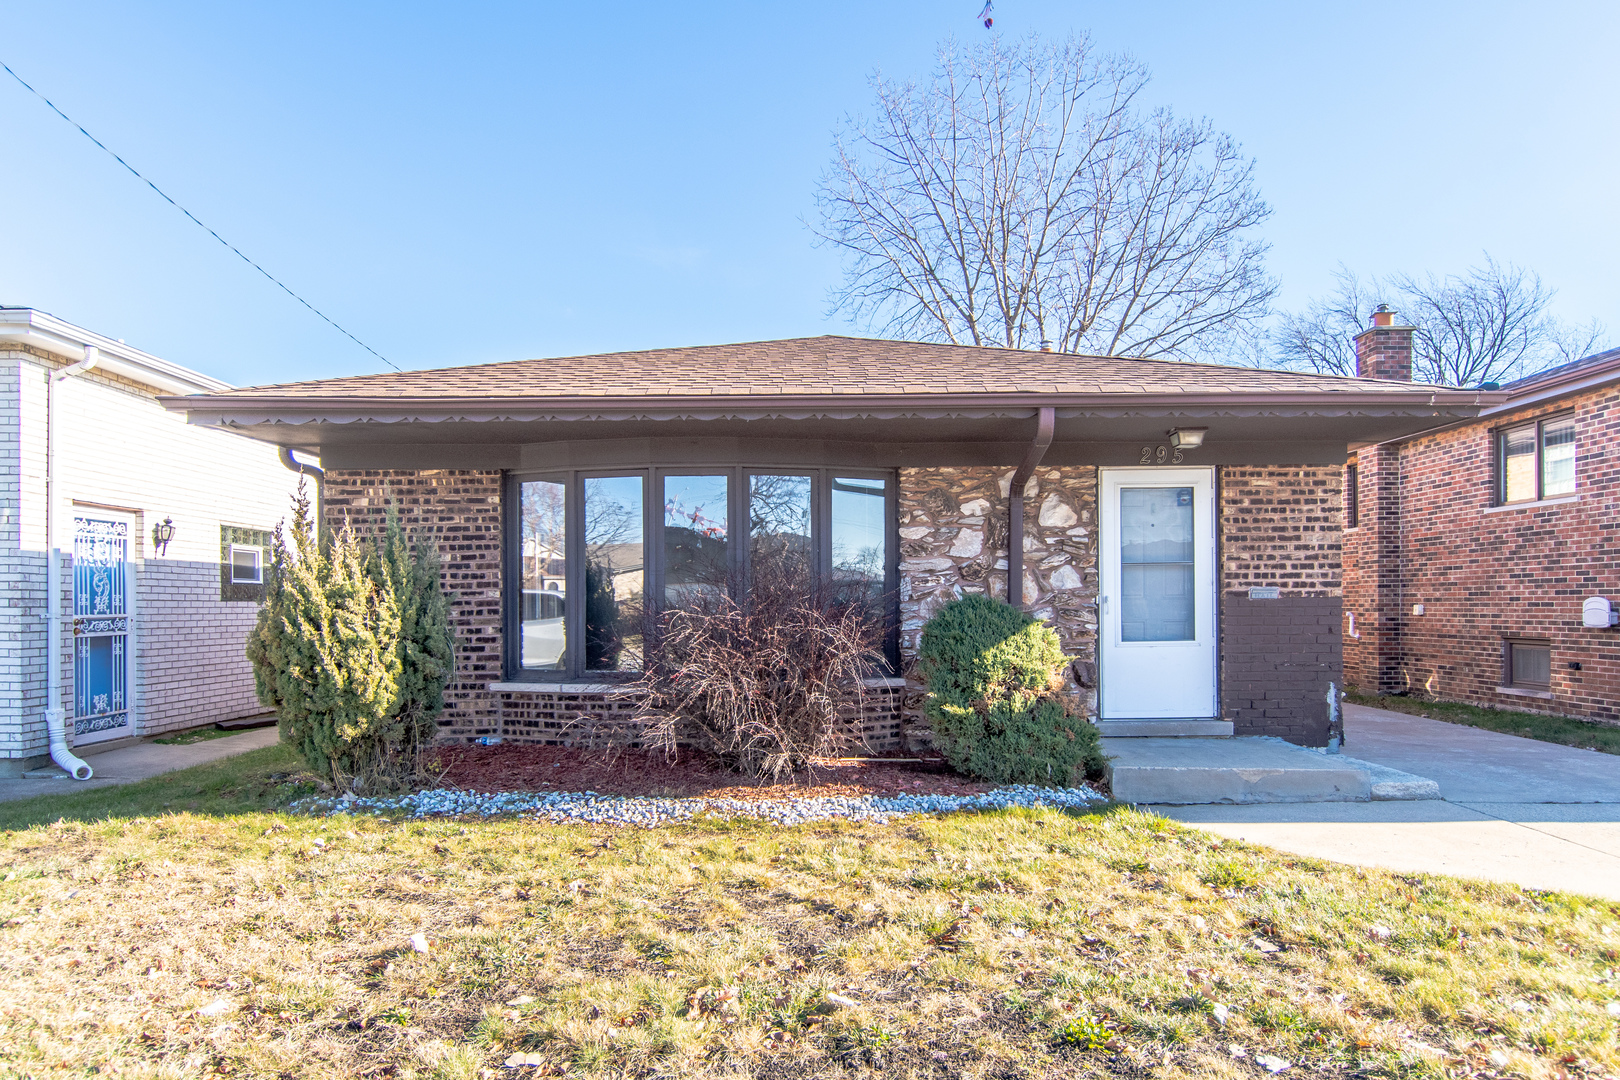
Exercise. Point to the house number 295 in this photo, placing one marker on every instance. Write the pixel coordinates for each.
(1160, 455)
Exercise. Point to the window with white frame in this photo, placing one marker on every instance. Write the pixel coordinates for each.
(247, 565)
(1536, 460)
(595, 553)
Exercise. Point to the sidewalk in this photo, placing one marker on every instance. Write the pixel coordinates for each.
(1535, 814)
(139, 762)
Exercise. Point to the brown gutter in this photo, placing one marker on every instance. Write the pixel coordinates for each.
(403, 403)
(1015, 504)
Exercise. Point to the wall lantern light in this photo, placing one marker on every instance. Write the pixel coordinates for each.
(1183, 438)
(162, 534)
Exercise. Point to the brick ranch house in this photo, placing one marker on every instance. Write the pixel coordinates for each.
(1179, 525)
(1470, 550)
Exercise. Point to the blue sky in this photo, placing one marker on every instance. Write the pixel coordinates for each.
(476, 182)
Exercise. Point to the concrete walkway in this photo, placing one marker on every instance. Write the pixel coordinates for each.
(1511, 809)
(140, 761)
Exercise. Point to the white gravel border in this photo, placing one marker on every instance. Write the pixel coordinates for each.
(650, 812)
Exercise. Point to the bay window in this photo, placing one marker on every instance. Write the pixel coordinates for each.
(594, 553)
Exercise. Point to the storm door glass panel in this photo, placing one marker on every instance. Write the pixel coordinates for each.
(779, 528)
(860, 533)
(1156, 564)
(100, 625)
(544, 574)
(1519, 464)
(1558, 457)
(614, 572)
(696, 537)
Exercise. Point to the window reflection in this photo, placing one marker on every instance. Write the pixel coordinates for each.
(1558, 458)
(779, 524)
(860, 534)
(696, 551)
(614, 572)
(543, 509)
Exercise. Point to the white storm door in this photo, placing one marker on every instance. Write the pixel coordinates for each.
(1158, 594)
(103, 653)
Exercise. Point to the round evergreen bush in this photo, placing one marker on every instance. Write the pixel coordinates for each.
(994, 677)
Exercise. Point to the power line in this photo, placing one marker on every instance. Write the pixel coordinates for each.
(193, 217)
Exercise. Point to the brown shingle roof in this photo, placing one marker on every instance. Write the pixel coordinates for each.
(831, 366)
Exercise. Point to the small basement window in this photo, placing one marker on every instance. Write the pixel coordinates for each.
(1536, 461)
(1528, 665)
(247, 565)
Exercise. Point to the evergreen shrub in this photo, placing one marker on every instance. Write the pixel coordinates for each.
(352, 649)
(994, 678)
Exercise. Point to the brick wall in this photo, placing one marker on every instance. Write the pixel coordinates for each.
(1484, 574)
(1280, 527)
(459, 511)
(119, 448)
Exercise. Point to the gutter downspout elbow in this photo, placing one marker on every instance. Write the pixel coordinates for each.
(1046, 420)
(300, 467)
(55, 715)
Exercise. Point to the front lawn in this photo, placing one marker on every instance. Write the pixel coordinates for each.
(144, 939)
(1564, 730)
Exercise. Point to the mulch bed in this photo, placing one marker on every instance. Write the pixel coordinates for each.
(521, 767)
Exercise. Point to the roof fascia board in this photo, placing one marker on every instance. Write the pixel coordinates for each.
(26, 326)
(1553, 390)
(302, 409)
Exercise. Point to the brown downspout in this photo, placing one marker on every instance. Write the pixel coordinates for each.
(1047, 417)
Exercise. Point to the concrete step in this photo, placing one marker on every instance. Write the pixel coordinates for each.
(1192, 771)
(1139, 729)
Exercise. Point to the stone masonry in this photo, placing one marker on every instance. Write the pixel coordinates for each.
(953, 542)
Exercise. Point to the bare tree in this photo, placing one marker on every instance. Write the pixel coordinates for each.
(1487, 325)
(1023, 195)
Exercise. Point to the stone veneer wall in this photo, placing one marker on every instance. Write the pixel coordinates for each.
(1281, 526)
(460, 512)
(953, 542)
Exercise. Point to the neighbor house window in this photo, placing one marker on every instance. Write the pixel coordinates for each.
(1352, 498)
(1537, 460)
(1528, 665)
(595, 553)
(247, 565)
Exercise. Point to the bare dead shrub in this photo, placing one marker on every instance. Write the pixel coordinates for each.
(765, 677)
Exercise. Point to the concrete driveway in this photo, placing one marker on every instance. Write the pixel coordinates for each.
(1511, 809)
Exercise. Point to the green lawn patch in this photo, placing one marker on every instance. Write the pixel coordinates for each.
(1564, 730)
(177, 928)
(195, 735)
(257, 780)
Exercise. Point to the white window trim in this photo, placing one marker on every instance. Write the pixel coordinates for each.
(258, 564)
(1556, 500)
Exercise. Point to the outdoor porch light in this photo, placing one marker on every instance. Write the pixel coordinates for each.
(162, 533)
(1187, 438)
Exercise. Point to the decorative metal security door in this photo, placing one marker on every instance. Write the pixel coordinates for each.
(101, 629)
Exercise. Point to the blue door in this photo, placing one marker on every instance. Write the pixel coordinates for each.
(101, 654)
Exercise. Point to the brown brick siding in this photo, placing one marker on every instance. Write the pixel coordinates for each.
(460, 512)
(1280, 527)
(1484, 574)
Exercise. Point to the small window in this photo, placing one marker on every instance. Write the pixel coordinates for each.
(1529, 665)
(247, 565)
(1352, 498)
(1536, 461)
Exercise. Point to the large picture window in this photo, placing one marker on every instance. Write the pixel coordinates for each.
(1536, 461)
(593, 554)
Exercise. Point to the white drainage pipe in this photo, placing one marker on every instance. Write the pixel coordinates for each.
(55, 715)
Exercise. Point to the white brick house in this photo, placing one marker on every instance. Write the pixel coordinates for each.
(154, 641)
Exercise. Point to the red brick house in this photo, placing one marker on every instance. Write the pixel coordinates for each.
(1471, 549)
(1178, 524)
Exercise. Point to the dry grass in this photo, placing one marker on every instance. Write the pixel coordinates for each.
(994, 945)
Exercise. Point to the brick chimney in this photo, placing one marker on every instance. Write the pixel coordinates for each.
(1384, 350)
